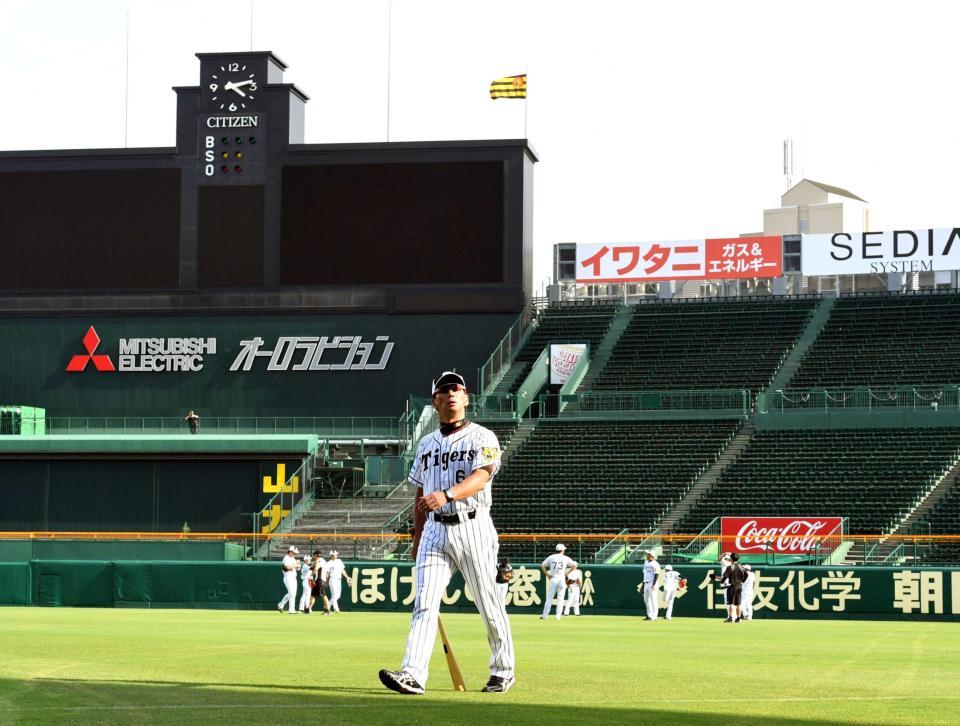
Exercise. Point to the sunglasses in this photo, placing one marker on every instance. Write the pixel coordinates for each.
(450, 388)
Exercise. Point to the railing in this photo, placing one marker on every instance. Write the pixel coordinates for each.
(913, 547)
(286, 506)
(611, 549)
(381, 427)
(491, 372)
(875, 397)
(733, 402)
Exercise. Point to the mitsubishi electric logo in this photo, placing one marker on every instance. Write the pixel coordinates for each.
(101, 362)
(146, 355)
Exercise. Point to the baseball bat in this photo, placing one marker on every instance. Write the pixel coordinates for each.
(455, 674)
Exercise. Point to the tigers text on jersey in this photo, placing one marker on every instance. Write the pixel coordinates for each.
(443, 461)
(557, 565)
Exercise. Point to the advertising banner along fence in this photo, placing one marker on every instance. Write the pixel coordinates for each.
(780, 535)
(694, 259)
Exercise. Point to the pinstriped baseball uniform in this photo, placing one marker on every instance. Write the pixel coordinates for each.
(469, 546)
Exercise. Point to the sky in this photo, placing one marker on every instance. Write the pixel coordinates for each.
(651, 120)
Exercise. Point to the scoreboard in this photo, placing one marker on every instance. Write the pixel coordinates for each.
(241, 203)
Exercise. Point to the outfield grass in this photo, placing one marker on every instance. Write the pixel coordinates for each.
(203, 666)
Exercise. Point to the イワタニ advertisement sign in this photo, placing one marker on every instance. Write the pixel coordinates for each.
(695, 259)
(563, 359)
(901, 250)
(779, 535)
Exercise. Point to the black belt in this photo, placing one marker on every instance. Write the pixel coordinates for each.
(454, 518)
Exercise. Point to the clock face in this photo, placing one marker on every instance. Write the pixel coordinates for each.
(232, 87)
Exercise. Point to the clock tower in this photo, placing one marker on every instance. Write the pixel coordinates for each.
(232, 134)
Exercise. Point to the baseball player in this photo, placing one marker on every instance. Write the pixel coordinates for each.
(306, 575)
(556, 567)
(335, 570)
(671, 583)
(504, 575)
(453, 471)
(734, 576)
(290, 565)
(651, 570)
(319, 579)
(746, 595)
(574, 580)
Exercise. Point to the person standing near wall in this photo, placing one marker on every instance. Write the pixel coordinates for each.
(335, 570)
(289, 566)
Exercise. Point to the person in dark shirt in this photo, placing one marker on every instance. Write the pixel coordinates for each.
(735, 576)
(504, 576)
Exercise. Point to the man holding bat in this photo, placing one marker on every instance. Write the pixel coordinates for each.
(453, 471)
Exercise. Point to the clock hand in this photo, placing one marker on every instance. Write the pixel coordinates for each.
(231, 86)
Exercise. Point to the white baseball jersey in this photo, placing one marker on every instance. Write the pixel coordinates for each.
(444, 461)
(336, 569)
(289, 565)
(748, 584)
(557, 565)
(576, 578)
(305, 572)
(650, 571)
(671, 580)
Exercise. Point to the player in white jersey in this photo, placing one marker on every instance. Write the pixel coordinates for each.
(504, 576)
(335, 570)
(746, 596)
(290, 567)
(453, 472)
(555, 568)
(671, 583)
(574, 581)
(651, 570)
(306, 575)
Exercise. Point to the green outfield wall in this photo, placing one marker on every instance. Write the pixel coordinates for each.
(237, 365)
(807, 592)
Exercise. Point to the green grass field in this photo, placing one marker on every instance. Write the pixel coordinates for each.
(204, 666)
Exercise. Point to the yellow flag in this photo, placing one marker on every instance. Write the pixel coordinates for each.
(509, 87)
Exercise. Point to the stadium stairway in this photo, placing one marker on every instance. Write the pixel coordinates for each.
(930, 501)
(793, 360)
(706, 481)
(600, 356)
(354, 515)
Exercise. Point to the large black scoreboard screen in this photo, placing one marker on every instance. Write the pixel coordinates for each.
(241, 204)
(102, 229)
(366, 224)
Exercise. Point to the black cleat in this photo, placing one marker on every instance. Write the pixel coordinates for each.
(497, 684)
(401, 682)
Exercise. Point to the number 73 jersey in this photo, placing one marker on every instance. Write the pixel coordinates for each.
(443, 461)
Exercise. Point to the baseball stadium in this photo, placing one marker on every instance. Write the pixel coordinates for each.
(224, 355)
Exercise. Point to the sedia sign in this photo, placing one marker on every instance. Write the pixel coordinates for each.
(901, 250)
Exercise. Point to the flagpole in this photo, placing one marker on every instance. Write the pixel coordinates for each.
(389, 36)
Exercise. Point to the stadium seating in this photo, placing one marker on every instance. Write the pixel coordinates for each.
(566, 323)
(945, 519)
(504, 430)
(871, 476)
(886, 340)
(602, 476)
(704, 344)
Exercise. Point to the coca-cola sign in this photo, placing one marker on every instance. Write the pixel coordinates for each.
(780, 535)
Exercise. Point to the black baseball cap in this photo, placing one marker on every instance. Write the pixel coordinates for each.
(445, 378)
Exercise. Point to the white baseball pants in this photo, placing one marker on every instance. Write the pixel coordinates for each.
(305, 596)
(573, 600)
(502, 589)
(470, 547)
(556, 588)
(650, 598)
(290, 599)
(746, 604)
(669, 594)
(336, 587)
